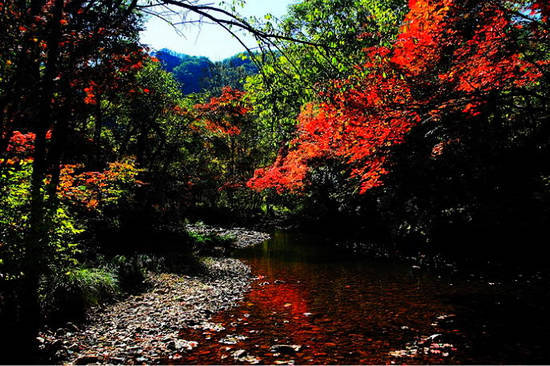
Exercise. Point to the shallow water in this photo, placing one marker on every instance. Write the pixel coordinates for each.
(344, 310)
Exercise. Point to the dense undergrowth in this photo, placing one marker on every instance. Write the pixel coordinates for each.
(69, 293)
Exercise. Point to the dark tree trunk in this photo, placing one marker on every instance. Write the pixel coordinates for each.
(35, 258)
(97, 133)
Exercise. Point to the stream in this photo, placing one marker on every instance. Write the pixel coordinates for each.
(313, 304)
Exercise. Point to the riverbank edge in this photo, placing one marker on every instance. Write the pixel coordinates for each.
(144, 328)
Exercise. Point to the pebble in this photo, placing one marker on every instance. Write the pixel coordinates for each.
(286, 348)
(145, 328)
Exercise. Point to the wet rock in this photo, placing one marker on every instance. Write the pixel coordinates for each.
(282, 362)
(286, 348)
(183, 345)
(239, 353)
(242, 356)
(233, 339)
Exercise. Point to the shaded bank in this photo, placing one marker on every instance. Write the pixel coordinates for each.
(144, 327)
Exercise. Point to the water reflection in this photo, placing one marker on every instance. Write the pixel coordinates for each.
(336, 309)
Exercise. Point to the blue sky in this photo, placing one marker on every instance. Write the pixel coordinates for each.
(208, 40)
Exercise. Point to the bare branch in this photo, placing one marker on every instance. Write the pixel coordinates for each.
(217, 15)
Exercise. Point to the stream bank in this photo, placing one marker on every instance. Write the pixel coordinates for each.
(298, 301)
(145, 328)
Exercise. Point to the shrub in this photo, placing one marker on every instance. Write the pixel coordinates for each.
(67, 295)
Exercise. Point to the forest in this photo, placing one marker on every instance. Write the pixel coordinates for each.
(368, 185)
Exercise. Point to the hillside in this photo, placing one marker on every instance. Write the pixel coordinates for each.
(199, 74)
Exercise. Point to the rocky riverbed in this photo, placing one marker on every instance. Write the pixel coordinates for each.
(146, 328)
(242, 237)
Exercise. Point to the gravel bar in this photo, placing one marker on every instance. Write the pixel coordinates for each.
(243, 237)
(145, 329)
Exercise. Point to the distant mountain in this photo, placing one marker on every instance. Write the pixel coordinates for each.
(200, 74)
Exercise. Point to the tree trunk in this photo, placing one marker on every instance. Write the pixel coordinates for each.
(35, 258)
(97, 133)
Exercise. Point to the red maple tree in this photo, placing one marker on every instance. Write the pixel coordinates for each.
(448, 58)
(223, 115)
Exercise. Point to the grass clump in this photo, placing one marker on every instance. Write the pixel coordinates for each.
(67, 295)
(95, 284)
(211, 244)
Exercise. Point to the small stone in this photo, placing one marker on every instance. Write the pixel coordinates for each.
(232, 339)
(239, 353)
(181, 345)
(171, 345)
(286, 348)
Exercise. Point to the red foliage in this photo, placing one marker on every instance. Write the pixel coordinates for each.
(439, 63)
(93, 189)
(90, 93)
(290, 169)
(222, 115)
(23, 143)
(89, 189)
(439, 148)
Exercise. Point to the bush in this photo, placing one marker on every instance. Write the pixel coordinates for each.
(68, 295)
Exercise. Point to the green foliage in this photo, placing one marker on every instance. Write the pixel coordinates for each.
(68, 294)
(14, 211)
(193, 73)
(94, 284)
(63, 233)
(294, 74)
(231, 72)
(65, 238)
(211, 239)
(200, 75)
